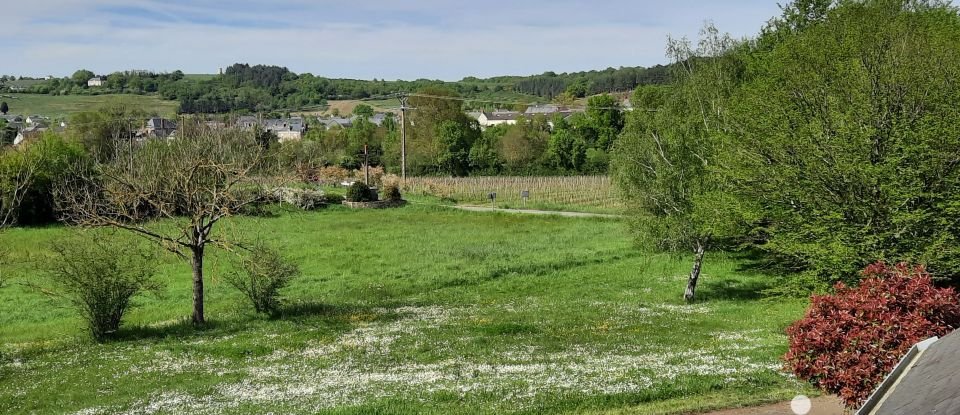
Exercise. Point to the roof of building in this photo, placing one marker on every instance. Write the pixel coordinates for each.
(378, 118)
(284, 124)
(161, 124)
(925, 382)
(544, 109)
(336, 121)
(502, 115)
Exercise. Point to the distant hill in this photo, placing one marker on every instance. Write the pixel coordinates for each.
(253, 88)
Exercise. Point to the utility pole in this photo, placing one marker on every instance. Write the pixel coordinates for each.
(403, 138)
(366, 166)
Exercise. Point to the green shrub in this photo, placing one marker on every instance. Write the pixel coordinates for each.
(262, 274)
(98, 277)
(51, 158)
(360, 192)
(391, 192)
(333, 198)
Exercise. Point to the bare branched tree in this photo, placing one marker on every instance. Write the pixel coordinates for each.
(173, 192)
(16, 177)
(15, 181)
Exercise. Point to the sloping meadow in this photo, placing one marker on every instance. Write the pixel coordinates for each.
(410, 311)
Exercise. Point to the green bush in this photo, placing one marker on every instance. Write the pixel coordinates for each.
(262, 274)
(98, 277)
(51, 158)
(333, 198)
(391, 192)
(360, 192)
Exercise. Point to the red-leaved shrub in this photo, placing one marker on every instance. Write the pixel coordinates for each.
(848, 341)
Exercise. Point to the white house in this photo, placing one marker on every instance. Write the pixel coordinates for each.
(497, 117)
(95, 82)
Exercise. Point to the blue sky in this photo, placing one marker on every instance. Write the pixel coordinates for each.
(363, 39)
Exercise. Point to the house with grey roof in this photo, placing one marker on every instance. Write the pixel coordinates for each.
(378, 118)
(335, 122)
(159, 128)
(247, 122)
(926, 381)
(498, 117)
(96, 81)
(286, 129)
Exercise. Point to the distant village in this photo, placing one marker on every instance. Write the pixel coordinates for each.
(288, 128)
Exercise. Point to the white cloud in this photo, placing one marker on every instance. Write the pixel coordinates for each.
(379, 38)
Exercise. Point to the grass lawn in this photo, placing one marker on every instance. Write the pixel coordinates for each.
(413, 310)
(64, 106)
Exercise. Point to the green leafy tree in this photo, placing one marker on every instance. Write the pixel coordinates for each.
(607, 119)
(363, 111)
(845, 137)
(578, 89)
(81, 77)
(663, 159)
(484, 158)
(455, 141)
(434, 105)
(567, 150)
(523, 146)
(103, 131)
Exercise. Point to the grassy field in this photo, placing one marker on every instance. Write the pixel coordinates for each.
(64, 106)
(567, 193)
(413, 310)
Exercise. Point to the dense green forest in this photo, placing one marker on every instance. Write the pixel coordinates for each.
(246, 88)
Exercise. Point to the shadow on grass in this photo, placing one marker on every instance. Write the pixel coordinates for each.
(710, 289)
(540, 269)
(301, 310)
(336, 317)
(183, 328)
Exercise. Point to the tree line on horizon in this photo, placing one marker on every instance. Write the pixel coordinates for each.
(253, 88)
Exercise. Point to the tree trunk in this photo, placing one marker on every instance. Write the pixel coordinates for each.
(198, 285)
(694, 274)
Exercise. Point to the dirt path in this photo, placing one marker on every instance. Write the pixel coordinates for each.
(823, 405)
(539, 212)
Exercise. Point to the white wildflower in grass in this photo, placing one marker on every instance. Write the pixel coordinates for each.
(374, 361)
